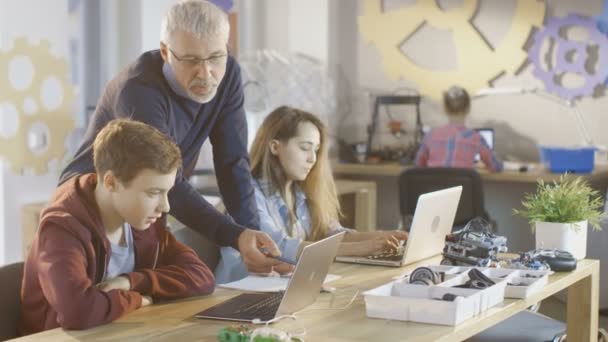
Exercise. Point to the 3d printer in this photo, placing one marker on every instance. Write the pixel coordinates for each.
(403, 155)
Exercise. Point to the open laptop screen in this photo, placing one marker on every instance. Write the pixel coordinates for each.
(488, 136)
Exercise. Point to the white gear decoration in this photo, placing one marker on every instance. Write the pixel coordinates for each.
(479, 63)
(59, 121)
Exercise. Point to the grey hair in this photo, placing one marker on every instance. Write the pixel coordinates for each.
(200, 17)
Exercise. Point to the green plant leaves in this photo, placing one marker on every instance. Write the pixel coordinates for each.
(570, 199)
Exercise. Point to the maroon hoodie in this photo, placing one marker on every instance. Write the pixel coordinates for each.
(70, 254)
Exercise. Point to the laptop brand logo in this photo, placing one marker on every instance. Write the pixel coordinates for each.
(312, 276)
(435, 224)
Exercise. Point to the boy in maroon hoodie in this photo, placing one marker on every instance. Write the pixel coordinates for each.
(101, 250)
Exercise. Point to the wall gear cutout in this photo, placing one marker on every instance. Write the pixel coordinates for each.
(577, 64)
(479, 63)
(44, 118)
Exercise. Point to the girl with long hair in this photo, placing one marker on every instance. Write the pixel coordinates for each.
(296, 195)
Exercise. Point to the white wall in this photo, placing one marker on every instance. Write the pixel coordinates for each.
(48, 21)
(308, 27)
(152, 13)
(286, 26)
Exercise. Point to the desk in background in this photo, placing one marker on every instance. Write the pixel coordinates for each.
(358, 201)
(175, 321)
(503, 191)
(394, 170)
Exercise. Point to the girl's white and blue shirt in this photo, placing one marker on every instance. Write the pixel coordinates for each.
(274, 220)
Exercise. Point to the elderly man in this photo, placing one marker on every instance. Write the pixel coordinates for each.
(191, 90)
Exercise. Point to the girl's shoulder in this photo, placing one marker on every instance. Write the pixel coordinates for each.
(261, 188)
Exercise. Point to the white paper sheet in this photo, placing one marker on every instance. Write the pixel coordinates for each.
(266, 284)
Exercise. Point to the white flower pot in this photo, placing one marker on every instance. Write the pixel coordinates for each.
(563, 236)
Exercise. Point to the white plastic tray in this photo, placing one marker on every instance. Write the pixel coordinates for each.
(400, 300)
(520, 283)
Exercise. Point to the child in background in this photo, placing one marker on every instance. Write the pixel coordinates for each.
(296, 195)
(454, 145)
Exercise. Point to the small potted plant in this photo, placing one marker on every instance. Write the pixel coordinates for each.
(559, 213)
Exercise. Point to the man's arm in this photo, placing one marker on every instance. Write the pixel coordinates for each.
(140, 103)
(63, 277)
(180, 273)
(230, 156)
(187, 205)
(489, 157)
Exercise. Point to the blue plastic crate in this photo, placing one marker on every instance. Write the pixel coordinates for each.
(573, 160)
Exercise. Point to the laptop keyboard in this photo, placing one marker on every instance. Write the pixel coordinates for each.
(387, 257)
(247, 306)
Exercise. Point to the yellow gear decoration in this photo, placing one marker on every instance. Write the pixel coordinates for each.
(59, 121)
(478, 63)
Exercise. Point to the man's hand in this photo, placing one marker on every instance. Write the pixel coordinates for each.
(118, 283)
(250, 241)
(284, 268)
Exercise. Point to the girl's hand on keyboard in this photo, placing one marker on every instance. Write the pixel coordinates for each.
(399, 235)
(377, 245)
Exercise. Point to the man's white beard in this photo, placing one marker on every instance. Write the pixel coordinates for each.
(202, 99)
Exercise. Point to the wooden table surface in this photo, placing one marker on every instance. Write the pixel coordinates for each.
(175, 321)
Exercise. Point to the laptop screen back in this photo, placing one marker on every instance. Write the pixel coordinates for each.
(433, 220)
(307, 279)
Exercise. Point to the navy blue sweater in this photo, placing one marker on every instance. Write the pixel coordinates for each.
(141, 92)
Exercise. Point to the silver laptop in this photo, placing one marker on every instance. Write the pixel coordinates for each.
(433, 219)
(302, 290)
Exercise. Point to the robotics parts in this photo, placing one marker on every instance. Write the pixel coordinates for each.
(473, 245)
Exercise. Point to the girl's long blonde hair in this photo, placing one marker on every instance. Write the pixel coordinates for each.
(319, 187)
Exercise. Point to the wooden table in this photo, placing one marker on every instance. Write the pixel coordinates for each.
(174, 321)
(531, 176)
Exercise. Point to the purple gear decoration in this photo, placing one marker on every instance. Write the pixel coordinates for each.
(226, 5)
(564, 46)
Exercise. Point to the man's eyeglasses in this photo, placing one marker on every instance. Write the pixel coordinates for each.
(192, 62)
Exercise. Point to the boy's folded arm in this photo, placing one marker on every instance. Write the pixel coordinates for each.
(179, 273)
(62, 272)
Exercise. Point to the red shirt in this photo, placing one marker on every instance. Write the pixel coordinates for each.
(454, 145)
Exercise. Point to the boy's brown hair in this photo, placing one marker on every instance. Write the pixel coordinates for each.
(127, 147)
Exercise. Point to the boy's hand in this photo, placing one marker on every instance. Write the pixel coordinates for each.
(146, 300)
(118, 283)
(250, 241)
